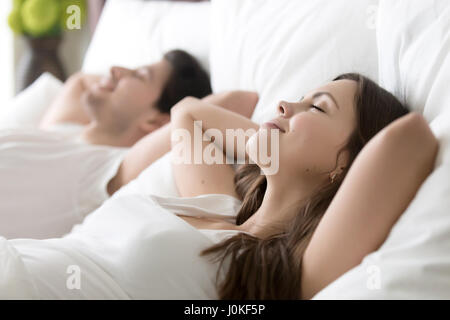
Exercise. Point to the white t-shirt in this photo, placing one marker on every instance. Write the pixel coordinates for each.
(132, 247)
(50, 180)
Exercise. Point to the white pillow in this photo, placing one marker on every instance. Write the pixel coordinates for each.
(132, 33)
(414, 45)
(283, 49)
(30, 105)
(441, 129)
(414, 261)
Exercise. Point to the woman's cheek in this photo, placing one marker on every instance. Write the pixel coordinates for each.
(263, 146)
(302, 122)
(310, 139)
(303, 131)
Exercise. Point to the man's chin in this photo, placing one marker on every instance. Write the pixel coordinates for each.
(92, 103)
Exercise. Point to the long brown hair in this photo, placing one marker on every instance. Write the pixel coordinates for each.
(270, 268)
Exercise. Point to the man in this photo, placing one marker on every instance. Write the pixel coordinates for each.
(50, 180)
(126, 105)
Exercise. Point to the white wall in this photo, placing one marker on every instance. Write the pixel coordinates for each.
(73, 49)
(6, 55)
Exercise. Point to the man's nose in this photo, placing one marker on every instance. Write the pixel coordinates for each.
(118, 72)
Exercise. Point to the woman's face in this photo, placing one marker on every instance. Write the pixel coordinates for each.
(311, 130)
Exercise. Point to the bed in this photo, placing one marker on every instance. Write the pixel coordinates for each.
(267, 46)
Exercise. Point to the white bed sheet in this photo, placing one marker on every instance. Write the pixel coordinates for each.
(132, 247)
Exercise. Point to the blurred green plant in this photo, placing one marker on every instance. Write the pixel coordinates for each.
(45, 18)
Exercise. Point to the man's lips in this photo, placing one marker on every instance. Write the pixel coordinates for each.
(273, 125)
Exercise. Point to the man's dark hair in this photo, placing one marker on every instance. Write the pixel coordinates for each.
(187, 78)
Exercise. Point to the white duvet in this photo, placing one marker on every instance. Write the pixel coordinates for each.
(132, 247)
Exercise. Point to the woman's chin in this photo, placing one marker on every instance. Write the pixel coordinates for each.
(267, 158)
(251, 147)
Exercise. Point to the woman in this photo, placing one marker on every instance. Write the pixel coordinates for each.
(296, 235)
(292, 236)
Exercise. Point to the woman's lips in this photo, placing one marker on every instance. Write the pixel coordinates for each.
(272, 125)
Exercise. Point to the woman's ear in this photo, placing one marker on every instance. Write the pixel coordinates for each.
(154, 121)
(342, 163)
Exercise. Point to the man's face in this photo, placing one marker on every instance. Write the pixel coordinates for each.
(121, 98)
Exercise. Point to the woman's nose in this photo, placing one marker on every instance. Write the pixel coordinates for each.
(284, 109)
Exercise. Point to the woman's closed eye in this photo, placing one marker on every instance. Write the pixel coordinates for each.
(316, 107)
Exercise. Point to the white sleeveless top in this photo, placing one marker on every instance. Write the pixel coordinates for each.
(50, 180)
(132, 247)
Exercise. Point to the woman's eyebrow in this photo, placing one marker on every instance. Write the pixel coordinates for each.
(321, 93)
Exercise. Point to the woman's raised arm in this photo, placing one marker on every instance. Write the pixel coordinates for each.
(193, 177)
(378, 188)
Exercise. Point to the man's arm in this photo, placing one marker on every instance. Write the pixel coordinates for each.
(67, 106)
